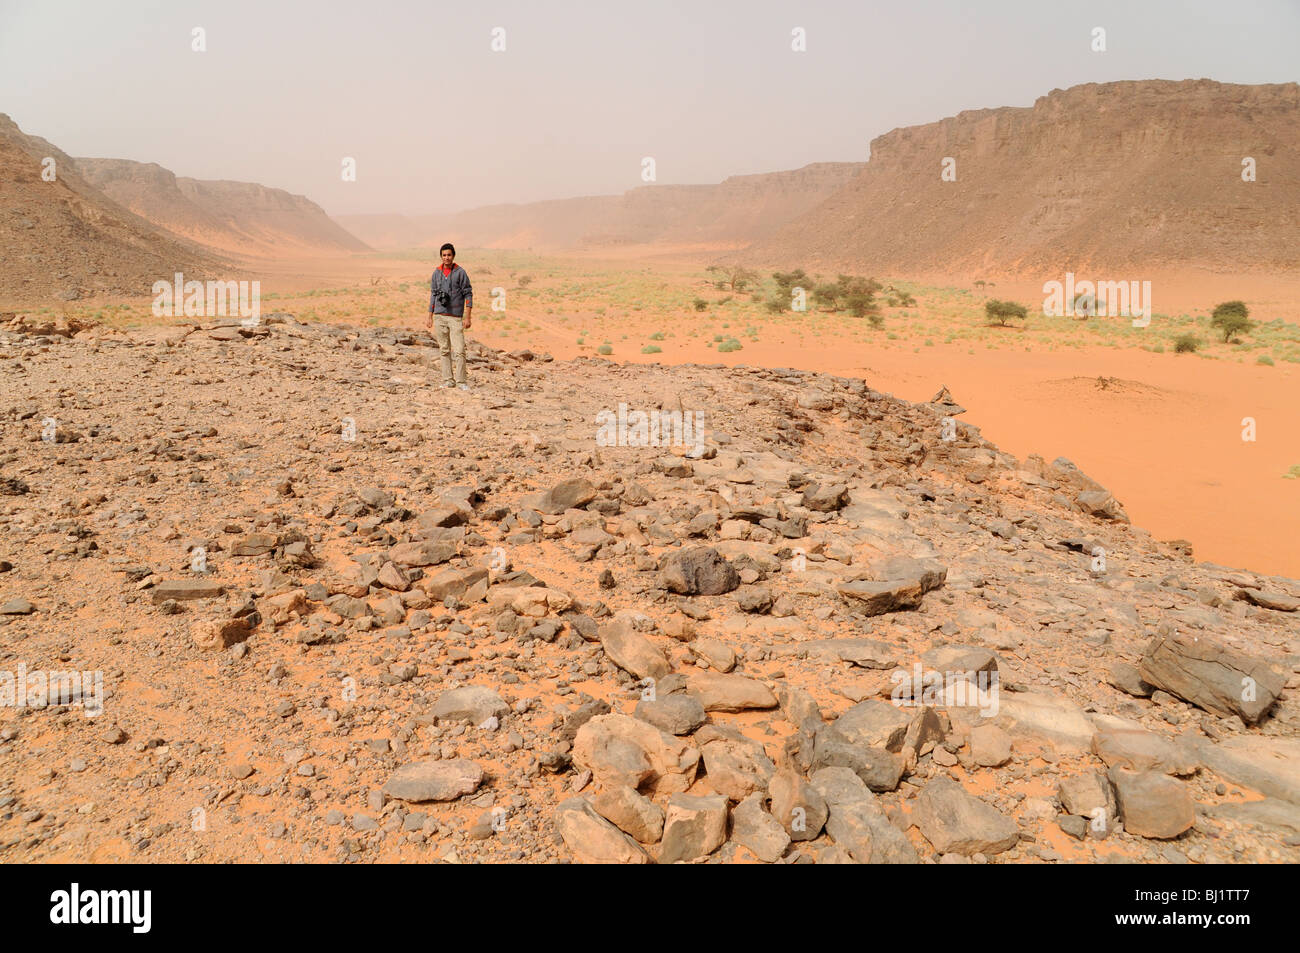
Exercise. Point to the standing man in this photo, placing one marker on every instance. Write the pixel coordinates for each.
(451, 301)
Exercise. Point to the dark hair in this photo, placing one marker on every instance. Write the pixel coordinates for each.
(446, 246)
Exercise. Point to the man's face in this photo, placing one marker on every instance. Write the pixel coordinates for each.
(447, 256)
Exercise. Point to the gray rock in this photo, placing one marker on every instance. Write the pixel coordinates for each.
(474, 704)
(1212, 676)
(857, 823)
(1152, 804)
(990, 746)
(631, 812)
(565, 495)
(591, 838)
(957, 822)
(632, 651)
(879, 769)
(729, 692)
(797, 805)
(678, 714)
(737, 767)
(701, 570)
(183, 589)
(825, 498)
(754, 828)
(1127, 679)
(1268, 765)
(864, 653)
(1130, 746)
(694, 827)
(434, 780)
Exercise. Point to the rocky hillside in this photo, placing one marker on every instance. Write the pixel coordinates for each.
(64, 239)
(237, 217)
(739, 210)
(341, 614)
(1111, 178)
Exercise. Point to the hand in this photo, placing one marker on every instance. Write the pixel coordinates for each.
(429, 321)
(468, 321)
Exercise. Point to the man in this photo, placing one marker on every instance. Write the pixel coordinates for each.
(451, 302)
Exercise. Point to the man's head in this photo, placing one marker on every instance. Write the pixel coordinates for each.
(448, 254)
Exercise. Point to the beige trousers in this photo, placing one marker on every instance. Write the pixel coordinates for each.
(449, 331)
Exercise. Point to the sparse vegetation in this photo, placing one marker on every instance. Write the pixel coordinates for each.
(1186, 344)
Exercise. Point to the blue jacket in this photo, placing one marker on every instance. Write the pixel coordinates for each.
(457, 283)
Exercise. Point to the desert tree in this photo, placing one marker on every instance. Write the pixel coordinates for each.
(1231, 318)
(1000, 312)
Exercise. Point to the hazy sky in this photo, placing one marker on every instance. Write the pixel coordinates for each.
(438, 121)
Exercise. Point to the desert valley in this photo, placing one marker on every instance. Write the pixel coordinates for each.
(337, 612)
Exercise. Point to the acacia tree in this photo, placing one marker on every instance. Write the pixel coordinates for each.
(1232, 318)
(1004, 311)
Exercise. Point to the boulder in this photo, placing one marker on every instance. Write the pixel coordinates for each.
(694, 827)
(591, 838)
(632, 651)
(701, 570)
(620, 750)
(1152, 804)
(954, 821)
(1210, 675)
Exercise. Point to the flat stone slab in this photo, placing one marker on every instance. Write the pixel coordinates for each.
(183, 589)
(864, 653)
(726, 692)
(446, 780)
(1268, 765)
(472, 703)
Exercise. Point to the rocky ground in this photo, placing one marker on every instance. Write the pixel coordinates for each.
(343, 614)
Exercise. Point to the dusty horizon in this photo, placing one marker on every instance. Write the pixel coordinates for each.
(323, 92)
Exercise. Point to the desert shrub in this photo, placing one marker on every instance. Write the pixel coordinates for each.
(700, 304)
(525, 280)
(657, 336)
(1265, 360)
(1231, 318)
(605, 348)
(774, 305)
(652, 349)
(1186, 344)
(730, 344)
(1000, 312)
(877, 320)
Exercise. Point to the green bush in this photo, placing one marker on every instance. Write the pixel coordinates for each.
(731, 344)
(1265, 360)
(700, 304)
(652, 349)
(605, 349)
(1186, 344)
